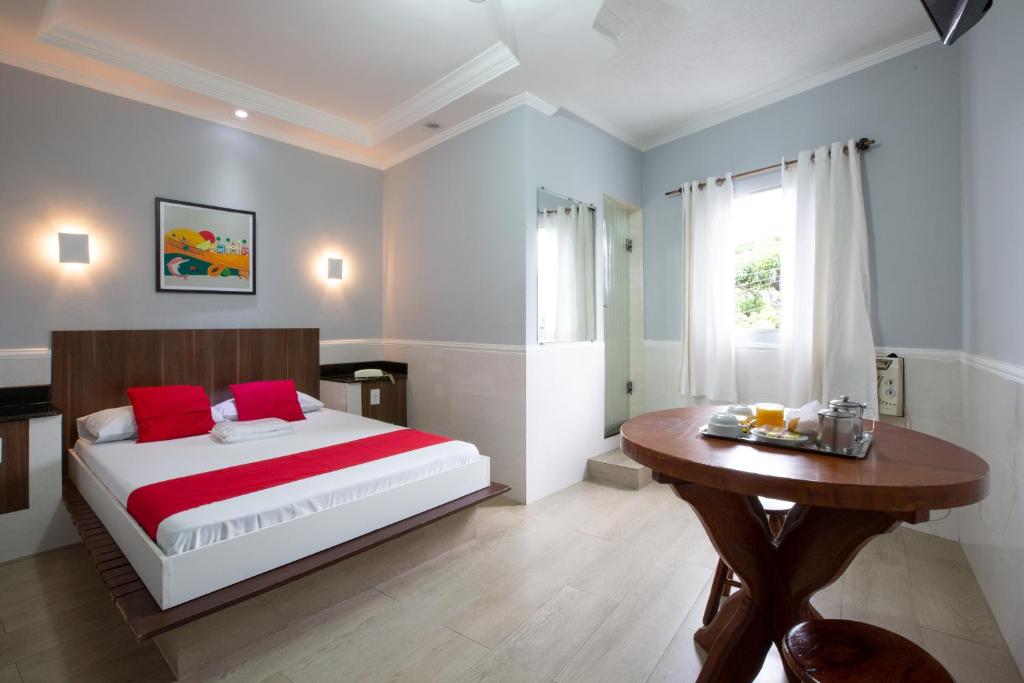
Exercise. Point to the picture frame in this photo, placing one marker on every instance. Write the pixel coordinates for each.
(204, 249)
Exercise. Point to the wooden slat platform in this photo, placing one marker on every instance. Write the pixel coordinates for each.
(146, 619)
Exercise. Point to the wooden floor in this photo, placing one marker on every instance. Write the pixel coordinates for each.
(591, 584)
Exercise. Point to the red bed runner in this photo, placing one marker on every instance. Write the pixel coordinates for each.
(153, 503)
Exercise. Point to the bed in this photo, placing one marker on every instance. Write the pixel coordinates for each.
(204, 559)
(203, 549)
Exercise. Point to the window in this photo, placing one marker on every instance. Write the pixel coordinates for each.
(565, 269)
(758, 225)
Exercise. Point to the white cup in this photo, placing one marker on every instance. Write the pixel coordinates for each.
(725, 424)
(740, 410)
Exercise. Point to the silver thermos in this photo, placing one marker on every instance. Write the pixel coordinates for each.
(841, 425)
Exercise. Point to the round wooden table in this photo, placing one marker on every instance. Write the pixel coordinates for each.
(840, 504)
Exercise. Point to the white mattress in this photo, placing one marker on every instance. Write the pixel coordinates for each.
(124, 466)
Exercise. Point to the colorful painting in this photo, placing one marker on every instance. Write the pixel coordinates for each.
(204, 248)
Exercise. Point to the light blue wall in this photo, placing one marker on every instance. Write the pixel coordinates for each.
(992, 76)
(911, 106)
(454, 254)
(460, 223)
(569, 156)
(70, 154)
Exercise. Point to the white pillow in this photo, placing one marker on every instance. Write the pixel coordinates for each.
(308, 403)
(112, 424)
(228, 411)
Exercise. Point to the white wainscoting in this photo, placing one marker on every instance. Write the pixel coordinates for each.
(564, 414)
(24, 367)
(992, 532)
(473, 392)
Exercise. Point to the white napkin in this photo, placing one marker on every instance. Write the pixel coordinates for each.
(808, 422)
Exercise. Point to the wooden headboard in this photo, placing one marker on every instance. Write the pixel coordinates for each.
(92, 370)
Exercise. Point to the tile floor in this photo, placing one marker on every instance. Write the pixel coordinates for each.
(591, 584)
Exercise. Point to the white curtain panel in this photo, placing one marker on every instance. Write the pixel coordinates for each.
(565, 274)
(708, 367)
(827, 346)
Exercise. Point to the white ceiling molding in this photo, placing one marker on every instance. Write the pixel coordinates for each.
(527, 99)
(609, 23)
(482, 69)
(778, 92)
(139, 95)
(196, 79)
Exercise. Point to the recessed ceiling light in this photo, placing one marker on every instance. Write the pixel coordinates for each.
(434, 125)
(241, 113)
(476, 1)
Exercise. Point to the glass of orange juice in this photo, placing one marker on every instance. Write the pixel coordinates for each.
(770, 415)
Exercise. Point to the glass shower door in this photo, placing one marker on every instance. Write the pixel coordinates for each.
(617, 387)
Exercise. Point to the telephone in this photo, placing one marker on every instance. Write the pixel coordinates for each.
(373, 373)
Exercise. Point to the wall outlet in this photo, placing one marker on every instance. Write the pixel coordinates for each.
(374, 397)
(890, 386)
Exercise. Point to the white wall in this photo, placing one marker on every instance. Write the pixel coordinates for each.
(992, 410)
(460, 290)
(565, 382)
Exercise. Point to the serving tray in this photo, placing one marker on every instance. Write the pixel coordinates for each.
(809, 446)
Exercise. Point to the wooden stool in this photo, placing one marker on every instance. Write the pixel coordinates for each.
(841, 651)
(724, 581)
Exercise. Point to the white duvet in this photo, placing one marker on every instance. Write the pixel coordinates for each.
(124, 466)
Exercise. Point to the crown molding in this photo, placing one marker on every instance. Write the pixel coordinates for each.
(781, 91)
(138, 95)
(180, 74)
(522, 99)
(496, 60)
(609, 23)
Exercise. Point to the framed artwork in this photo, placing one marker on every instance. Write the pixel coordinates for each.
(201, 248)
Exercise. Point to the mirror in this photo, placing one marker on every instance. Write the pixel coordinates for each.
(565, 269)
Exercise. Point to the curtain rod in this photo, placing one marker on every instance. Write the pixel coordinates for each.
(589, 207)
(567, 198)
(862, 145)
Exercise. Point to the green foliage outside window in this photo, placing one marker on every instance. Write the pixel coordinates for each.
(758, 267)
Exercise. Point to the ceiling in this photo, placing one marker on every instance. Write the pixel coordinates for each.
(359, 79)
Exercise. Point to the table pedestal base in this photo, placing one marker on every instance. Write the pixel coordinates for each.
(779, 575)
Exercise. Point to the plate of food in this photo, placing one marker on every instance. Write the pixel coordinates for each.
(779, 435)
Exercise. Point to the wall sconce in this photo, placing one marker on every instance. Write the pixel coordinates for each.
(72, 247)
(334, 268)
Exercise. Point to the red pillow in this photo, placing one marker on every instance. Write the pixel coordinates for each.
(274, 398)
(163, 413)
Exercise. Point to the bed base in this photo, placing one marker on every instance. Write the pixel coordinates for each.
(234, 616)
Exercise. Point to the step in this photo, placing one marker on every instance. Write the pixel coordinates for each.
(616, 469)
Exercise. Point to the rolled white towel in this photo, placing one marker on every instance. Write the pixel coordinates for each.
(250, 430)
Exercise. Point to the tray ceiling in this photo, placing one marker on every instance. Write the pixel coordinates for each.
(358, 79)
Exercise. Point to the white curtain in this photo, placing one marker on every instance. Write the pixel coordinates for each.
(826, 341)
(565, 274)
(709, 292)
